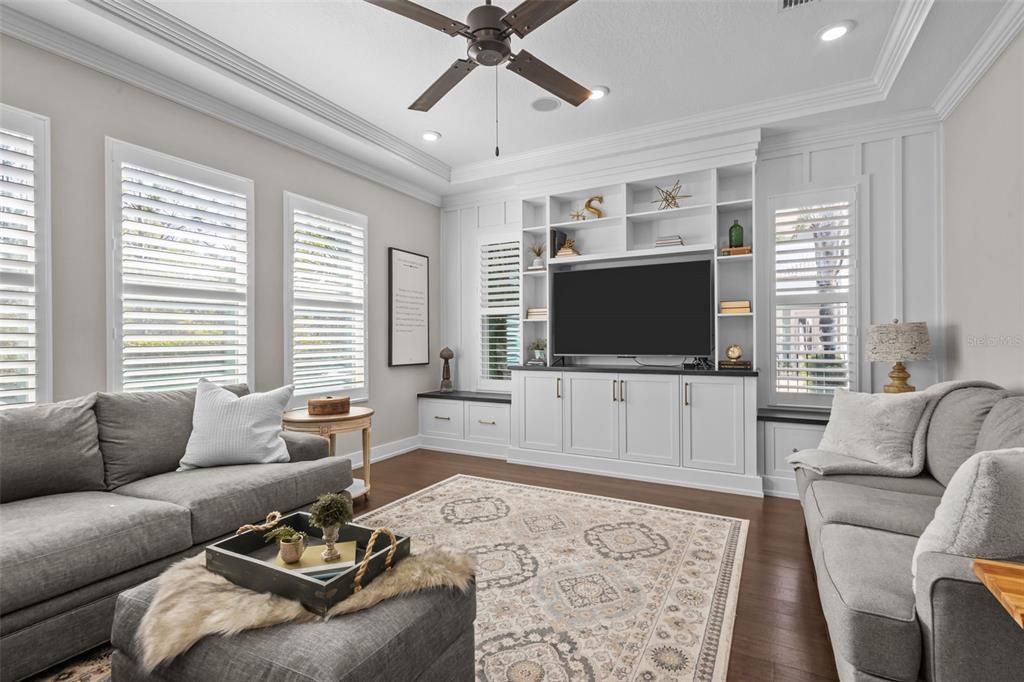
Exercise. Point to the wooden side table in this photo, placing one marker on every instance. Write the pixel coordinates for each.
(1005, 580)
(329, 426)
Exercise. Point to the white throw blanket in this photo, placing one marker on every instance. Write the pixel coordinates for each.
(832, 463)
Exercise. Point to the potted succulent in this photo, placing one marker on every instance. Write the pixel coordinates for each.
(538, 253)
(290, 543)
(538, 346)
(329, 513)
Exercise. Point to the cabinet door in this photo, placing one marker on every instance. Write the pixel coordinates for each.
(713, 423)
(782, 440)
(591, 414)
(540, 411)
(649, 418)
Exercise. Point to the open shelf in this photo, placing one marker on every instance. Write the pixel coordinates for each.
(649, 216)
(589, 222)
(735, 314)
(743, 257)
(739, 204)
(535, 272)
(538, 228)
(634, 253)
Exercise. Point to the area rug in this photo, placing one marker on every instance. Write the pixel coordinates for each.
(580, 587)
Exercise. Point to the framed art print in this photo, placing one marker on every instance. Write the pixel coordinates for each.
(408, 308)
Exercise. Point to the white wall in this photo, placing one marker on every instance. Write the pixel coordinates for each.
(85, 106)
(983, 149)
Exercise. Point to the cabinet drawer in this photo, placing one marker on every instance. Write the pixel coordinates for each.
(441, 418)
(487, 422)
(783, 439)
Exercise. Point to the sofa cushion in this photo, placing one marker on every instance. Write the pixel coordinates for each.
(954, 427)
(58, 543)
(982, 512)
(866, 593)
(144, 434)
(223, 498)
(875, 427)
(49, 449)
(856, 505)
(918, 485)
(1004, 426)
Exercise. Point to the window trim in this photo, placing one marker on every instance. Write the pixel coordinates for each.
(38, 126)
(117, 151)
(493, 236)
(292, 202)
(859, 286)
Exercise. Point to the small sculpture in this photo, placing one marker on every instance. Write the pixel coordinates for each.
(446, 372)
(577, 216)
(670, 197)
(598, 213)
(567, 249)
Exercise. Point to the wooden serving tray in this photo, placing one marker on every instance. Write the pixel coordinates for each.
(247, 560)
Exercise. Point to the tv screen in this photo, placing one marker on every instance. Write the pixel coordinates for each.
(638, 310)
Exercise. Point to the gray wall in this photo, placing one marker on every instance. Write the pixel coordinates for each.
(84, 106)
(984, 226)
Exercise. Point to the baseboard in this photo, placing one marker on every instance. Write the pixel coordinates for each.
(778, 486)
(384, 451)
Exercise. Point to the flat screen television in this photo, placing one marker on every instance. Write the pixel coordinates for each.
(663, 309)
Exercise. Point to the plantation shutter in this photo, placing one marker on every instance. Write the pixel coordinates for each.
(499, 320)
(20, 269)
(328, 303)
(183, 247)
(814, 330)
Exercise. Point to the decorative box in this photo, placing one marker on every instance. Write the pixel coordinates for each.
(247, 560)
(322, 407)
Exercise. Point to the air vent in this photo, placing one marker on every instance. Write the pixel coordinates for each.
(791, 4)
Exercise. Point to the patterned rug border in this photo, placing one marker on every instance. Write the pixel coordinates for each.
(728, 622)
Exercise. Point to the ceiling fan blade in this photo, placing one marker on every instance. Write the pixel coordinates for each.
(530, 14)
(448, 80)
(429, 17)
(558, 84)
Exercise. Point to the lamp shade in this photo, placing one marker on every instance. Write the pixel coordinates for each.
(898, 342)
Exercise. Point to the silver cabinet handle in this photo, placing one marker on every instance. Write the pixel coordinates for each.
(489, 422)
(613, 391)
(686, 393)
(444, 419)
(558, 387)
(622, 391)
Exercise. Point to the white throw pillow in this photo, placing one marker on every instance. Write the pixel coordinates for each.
(981, 514)
(227, 429)
(876, 427)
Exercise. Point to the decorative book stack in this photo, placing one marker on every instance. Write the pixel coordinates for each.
(737, 250)
(734, 307)
(534, 267)
(735, 364)
(536, 313)
(669, 240)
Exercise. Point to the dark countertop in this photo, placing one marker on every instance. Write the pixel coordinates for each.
(637, 369)
(472, 396)
(792, 416)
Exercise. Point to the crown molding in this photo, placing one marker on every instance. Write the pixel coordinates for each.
(163, 27)
(785, 144)
(1003, 29)
(46, 37)
(905, 27)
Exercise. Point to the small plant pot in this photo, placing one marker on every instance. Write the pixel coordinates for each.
(292, 551)
(538, 355)
(538, 262)
(330, 553)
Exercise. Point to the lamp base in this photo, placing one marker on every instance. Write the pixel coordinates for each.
(899, 376)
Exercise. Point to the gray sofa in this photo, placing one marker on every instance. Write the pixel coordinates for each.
(91, 505)
(886, 624)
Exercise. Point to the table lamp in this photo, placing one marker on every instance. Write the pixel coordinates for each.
(898, 342)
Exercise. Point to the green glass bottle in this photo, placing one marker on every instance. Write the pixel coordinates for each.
(735, 234)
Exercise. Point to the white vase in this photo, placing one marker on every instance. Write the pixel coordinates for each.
(538, 262)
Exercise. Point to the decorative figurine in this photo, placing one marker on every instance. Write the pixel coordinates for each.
(567, 249)
(670, 197)
(577, 215)
(446, 372)
(598, 213)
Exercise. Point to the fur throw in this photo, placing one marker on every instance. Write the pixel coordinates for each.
(192, 602)
(830, 463)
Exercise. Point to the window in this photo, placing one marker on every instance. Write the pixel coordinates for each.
(325, 276)
(499, 315)
(813, 297)
(24, 259)
(180, 261)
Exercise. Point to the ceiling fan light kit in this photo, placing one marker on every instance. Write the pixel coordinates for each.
(489, 30)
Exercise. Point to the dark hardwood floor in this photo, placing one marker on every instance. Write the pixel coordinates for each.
(780, 632)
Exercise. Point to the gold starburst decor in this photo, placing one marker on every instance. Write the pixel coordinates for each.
(670, 197)
(577, 215)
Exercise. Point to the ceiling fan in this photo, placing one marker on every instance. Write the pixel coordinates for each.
(489, 30)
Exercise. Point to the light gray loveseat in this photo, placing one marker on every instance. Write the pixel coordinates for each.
(91, 505)
(885, 624)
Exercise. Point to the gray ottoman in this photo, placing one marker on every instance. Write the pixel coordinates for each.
(426, 636)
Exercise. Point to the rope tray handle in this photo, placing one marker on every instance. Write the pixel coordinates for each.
(272, 519)
(358, 580)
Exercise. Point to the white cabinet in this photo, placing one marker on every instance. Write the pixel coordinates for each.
(783, 439)
(487, 422)
(591, 413)
(538, 399)
(713, 423)
(649, 418)
(441, 418)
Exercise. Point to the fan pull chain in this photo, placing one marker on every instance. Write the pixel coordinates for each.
(497, 152)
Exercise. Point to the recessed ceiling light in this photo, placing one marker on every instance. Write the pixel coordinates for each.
(431, 135)
(546, 104)
(599, 91)
(835, 31)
